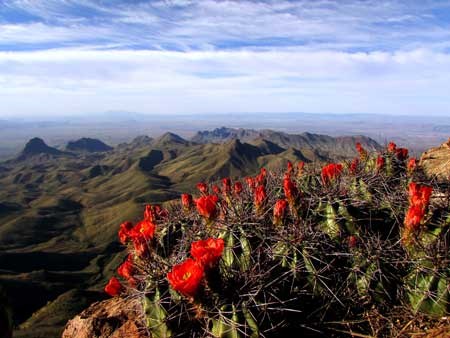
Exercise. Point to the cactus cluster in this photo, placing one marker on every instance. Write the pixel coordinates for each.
(340, 250)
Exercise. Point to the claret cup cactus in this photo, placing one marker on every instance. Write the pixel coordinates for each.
(350, 248)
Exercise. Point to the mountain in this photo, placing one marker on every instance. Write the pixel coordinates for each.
(211, 161)
(60, 211)
(169, 139)
(220, 135)
(141, 140)
(323, 145)
(90, 145)
(37, 146)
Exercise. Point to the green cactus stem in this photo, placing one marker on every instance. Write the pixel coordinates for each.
(428, 291)
(156, 316)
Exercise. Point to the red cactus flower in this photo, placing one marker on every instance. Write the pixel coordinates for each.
(113, 288)
(412, 164)
(250, 182)
(140, 246)
(359, 147)
(413, 217)
(186, 277)
(380, 162)
(419, 198)
(391, 147)
(362, 152)
(238, 188)
(279, 210)
(202, 187)
(260, 196)
(141, 234)
(419, 195)
(144, 229)
(186, 201)
(401, 153)
(124, 231)
(215, 189)
(226, 185)
(206, 206)
(290, 167)
(354, 166)
(208, 251)
(330, 172)
(126, 269)
(413, 191)
(261, 178)
(290, 190)
(154, 212)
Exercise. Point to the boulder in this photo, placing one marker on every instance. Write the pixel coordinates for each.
(112, 318)
(436, 161)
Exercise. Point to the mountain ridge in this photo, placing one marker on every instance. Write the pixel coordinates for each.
(339, 145)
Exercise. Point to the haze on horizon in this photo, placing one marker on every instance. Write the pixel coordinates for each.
(71, 57)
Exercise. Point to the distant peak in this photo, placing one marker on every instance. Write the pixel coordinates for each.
(170, 138)
(224, 134)
(37, 146)
(88, 144)
(35, 142)
(142, 139)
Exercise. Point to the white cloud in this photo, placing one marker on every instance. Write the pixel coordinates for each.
(36, 33)
(74, 81)
(222, 56)
(371, 25)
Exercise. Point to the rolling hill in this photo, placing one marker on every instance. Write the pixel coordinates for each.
(60, 210)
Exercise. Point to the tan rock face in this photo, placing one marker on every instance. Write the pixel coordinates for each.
(436, 161)
(113, 318)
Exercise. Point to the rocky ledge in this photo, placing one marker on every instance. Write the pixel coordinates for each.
(112, 318)
(436, 161)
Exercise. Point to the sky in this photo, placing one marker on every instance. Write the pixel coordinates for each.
(69, 57)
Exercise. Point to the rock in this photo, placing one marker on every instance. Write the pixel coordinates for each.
(112, 318)
(436, 161)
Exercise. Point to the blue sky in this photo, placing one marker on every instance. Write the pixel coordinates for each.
(65, 57)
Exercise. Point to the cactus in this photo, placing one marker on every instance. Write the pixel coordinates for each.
(233, 269)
